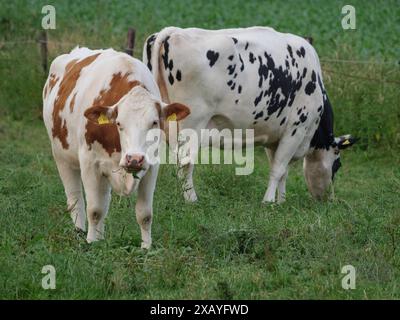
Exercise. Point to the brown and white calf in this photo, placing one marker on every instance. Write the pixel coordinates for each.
(98, 106)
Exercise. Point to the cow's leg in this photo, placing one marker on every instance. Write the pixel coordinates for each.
(186, 167)
(185, 175)
(283, 155)
(144, 205)
(71, 179)
(282, 182)
(98, 195)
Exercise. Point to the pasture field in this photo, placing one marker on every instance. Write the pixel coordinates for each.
(227, 245)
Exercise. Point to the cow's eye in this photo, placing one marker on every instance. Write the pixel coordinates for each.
(155, 123)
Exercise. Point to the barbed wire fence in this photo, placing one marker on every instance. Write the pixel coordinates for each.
(43, 41)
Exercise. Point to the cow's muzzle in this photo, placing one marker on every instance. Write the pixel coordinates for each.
(134, 163)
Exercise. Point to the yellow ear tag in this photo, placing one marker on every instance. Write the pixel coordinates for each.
(172, 117)
(103, 119)
(346, 143)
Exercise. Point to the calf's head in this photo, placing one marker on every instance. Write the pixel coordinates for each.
(135, 115)
(321, 165)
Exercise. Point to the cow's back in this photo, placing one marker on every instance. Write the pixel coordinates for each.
(80, 80)
(255, 77)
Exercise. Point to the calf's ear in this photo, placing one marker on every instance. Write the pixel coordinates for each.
(102, 115)
(175, 112)
(343, 142)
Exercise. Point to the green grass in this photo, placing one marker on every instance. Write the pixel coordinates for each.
(228, 245)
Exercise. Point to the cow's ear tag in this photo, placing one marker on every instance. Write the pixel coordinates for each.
(172, 117)
(346, 142)
(103, 119)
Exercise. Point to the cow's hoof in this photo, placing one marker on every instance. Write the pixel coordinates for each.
(268, 201)
(190, 196)
(146, 245)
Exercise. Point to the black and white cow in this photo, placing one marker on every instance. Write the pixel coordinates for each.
(252, 78)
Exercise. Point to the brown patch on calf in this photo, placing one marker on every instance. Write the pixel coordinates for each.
(107, 134)
(72, 103)
(52, 81)
(67, 84)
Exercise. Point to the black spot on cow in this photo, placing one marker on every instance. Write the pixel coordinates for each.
(171, 78)
(240, 89)
(178, 75)
(234, 76)
(230, 57)
(254, 122)
(296, 123)
(233, 86)
(303, 118)
(236, 101)
(231, 68)
(287, 64)
(299, 111)
(282, 86)
(241, 61)
(165, 56)
(229, 83)
(149, 44)
(310, 87)
(301, 52)
(304, 72)
(247, 45)
(294, 132)
(262, 72)
(258, 99)
(323, 137)
(171, 65)
(234, 40)
(212, 56)
(251, 57)
(289, 49)
(283, 121)
(259, 115)
(266, 119)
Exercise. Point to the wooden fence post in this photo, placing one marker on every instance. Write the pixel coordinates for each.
(130, 43)
(43, 49)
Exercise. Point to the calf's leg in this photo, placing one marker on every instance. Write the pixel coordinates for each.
(98, 195)
(71, 179)
(144, 205)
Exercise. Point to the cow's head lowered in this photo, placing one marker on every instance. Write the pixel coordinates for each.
(321, 165)
(135, 115)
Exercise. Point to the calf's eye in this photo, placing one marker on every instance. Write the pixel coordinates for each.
(155, 123)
